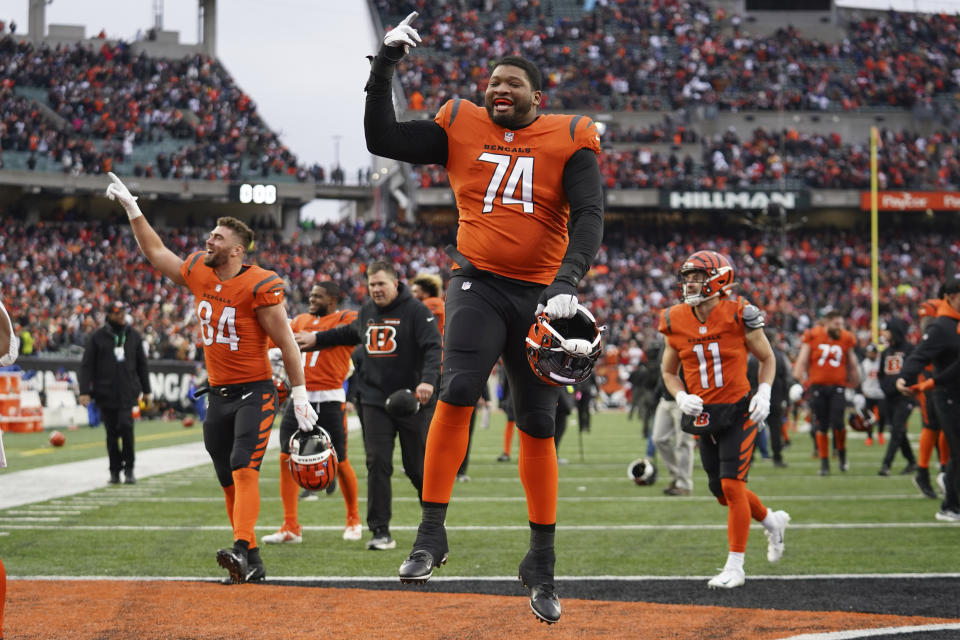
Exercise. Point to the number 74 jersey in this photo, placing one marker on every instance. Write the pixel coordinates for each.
(828, 356)
(713, 354)
(509, 188)
(234, 343)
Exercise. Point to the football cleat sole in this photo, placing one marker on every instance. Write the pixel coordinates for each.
(235, 565)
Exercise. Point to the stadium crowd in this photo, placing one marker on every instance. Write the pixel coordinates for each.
(637, 56)
(60, 275)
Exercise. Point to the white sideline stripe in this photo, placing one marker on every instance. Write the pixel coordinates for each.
(869, 633)
(109, 498)
(446, 578)
(44, 483)
(6, 525)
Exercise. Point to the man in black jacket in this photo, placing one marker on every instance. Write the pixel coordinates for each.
(113, 373)
(898, 406)
(402, 350)
(941, 346)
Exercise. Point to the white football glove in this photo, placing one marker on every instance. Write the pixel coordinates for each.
(859, 401)
(796, 392)
(689, 403)
(116, 190)
(760, 403)
(302, 409)
(403, 35)
(562, 305)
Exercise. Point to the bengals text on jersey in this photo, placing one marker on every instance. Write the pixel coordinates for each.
(828, 356)
(234, 343)
(713, 354)
(509, 188)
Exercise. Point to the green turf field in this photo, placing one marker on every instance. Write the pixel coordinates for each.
(171, 525)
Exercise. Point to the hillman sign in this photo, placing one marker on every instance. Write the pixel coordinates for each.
(733, 200)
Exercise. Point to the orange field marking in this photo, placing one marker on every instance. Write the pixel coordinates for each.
(45, 610)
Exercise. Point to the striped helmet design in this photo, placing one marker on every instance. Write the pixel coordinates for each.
(718, 281)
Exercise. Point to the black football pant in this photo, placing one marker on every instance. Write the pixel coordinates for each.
(118, 424)
(237, 427)
(775, 427)
(898, 411)
(488, 317)
(380, 431)
(947, 407)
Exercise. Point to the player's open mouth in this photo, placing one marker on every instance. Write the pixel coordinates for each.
(502, 104)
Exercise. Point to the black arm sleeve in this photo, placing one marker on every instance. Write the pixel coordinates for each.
(583, 186)
(348, 334)
(923, 354)
(414, 141)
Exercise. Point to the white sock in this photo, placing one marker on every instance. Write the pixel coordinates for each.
(734, 560)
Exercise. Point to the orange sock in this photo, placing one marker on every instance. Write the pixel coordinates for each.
(447, 442)
(928, 438)
(840, 439)
(538, 474)
(3, 593)
(230, 497)
(246, 508)
(289, 493)
(944, 449)
(347, 478)
(738, 513)
(823, 445)
(757, 511)
(508, 436)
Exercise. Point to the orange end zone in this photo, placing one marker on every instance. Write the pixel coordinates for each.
(41, 609)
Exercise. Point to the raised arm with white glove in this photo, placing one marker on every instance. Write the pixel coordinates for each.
(118, 191)
(760, 403)
(403, 35)
(302, 409)
(689, 403)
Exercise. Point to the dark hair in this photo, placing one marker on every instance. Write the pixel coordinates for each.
(532, 71)
(833, 313)
(244, 233)
(381, 265)
(332, 288)
(429, 283)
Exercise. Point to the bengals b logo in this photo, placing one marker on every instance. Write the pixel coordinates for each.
(702, 420)
(381, 340)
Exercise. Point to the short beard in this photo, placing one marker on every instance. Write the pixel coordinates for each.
(513, 120)
(213, 260)
(834, 333)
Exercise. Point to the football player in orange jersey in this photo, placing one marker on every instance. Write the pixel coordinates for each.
(9, 350)
(239, 307)
(325, 372)
(708, 338)
(829, 365)
(520, 178)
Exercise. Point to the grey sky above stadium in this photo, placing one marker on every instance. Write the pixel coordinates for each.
(302, 61)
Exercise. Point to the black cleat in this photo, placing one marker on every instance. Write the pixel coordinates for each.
(256, 572)
(922, 482)
(235, 563)
(503, 457)
(910, 468)
(129, 478)
(418, 567)
(544, 603)
(536, 574)
(114, 478)
(824, 467)
(431, 544)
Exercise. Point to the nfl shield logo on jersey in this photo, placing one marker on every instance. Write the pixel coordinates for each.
(508, 136)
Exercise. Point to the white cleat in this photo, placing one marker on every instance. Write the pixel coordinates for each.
(284, 536)
(727, 579)
(353, 532)
(775, 542)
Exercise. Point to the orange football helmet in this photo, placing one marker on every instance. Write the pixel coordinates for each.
(313, 460)
(709, 273)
